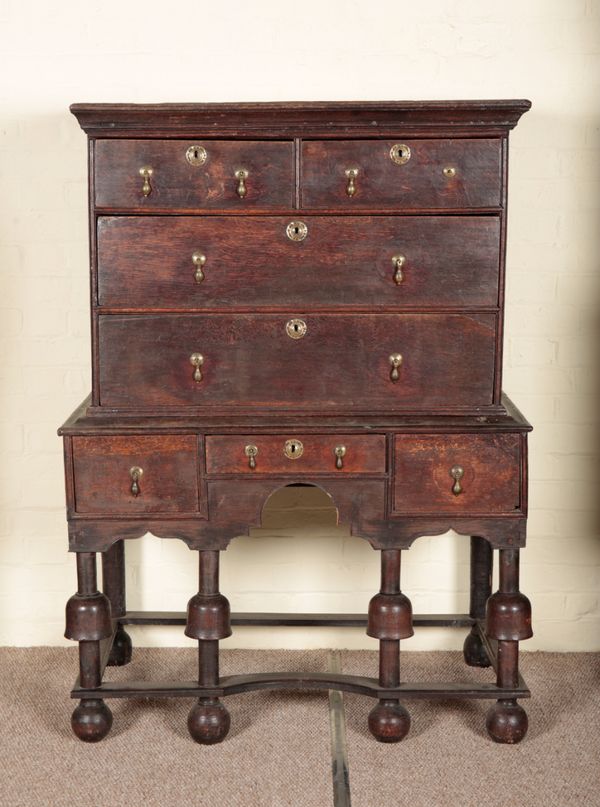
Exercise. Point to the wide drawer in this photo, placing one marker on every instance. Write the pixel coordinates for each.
(376, 261)
(408, 174)
(297, 362)
(295, 454)
(135, 474)
(208, 182)
(457, 474)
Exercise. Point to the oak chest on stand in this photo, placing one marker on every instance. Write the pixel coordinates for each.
(297, 294)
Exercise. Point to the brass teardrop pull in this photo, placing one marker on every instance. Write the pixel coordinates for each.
(241, 175)
(146, 172)
(395, 361)
(351, 174)
(398, 262)
(251, 451)
(135, 473)
(197, 360)
(198, 259)
(457, 473)
(340, 453)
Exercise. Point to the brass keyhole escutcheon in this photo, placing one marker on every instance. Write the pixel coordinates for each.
(449, 171)
(296, 328)
(400, 153)
(296, 231)
(293, 449)
(196, 155)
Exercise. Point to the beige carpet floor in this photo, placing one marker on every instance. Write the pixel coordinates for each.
(278, 751)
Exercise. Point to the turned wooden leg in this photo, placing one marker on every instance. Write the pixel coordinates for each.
(482, 556)
(88, 622)
(113, 578)
(508, 621)
(390, 619)
(208, 620)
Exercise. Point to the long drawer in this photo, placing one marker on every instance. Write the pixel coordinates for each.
(375, 261)
(403, 174)
(295, 454)
(305, 362)
(193, 175)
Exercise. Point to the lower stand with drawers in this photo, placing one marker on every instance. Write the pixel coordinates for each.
(293, 294)
(391, 482)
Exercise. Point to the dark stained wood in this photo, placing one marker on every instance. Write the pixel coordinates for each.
(250, 361)
(365, 455)
(176, 183)
(330, 388)
(420, 182)
(358, 684)
(103, 480)
(343, 262)
(491, 481)
(300, 118)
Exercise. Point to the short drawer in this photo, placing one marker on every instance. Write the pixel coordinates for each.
(407, 174)
(135, 474)
(297, 362)
(376, 261)
(165, 174)
(295, 454)
(457, 474)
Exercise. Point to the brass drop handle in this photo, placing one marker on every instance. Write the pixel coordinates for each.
(251, 451)
(135, 473)
(395, 361)
(197, 360)
(146, 172)
(351, 174)
(198, 259)
(457, 473)
(340, 453)
(241, 175)
(398, 262)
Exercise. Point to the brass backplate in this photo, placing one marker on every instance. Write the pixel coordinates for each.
(295, 328)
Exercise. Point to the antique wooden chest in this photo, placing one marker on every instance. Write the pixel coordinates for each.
(301, 293)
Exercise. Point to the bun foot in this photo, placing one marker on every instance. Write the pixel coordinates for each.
(91, 720)
(389, 722)
(208, 721)
(507, 722)
(120, 652)
(474, 652)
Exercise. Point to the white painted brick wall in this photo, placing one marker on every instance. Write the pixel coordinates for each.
(547, 50)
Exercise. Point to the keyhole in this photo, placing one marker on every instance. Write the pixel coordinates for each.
(296, 230)
(296, 327)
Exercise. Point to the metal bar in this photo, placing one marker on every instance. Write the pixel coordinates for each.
(296, 620)
(339, 748)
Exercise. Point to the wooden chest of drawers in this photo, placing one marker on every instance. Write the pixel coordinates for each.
(298, 293)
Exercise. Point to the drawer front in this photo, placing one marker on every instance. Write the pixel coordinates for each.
(438, 173)
(105, 482)
(457, 474)
(295, 454)
(177, 184)
(250, 360)
(384, 261)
